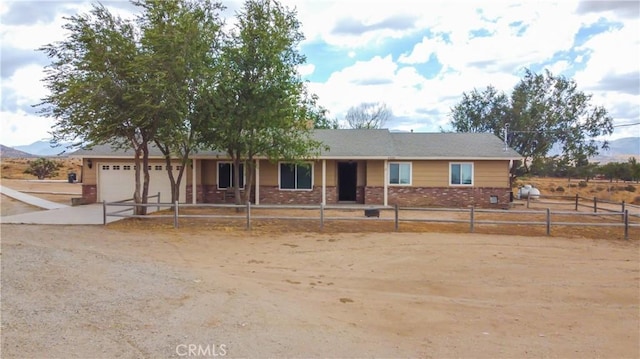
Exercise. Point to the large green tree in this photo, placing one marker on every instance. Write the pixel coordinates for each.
(135, 82)
(543, 110)
(94, 84)
(258, 105)
(180, 47)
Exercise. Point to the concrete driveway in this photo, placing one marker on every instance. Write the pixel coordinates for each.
(53, 213)
(87, 214)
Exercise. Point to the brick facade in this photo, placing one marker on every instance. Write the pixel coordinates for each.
(90, 193)
(273, 195)
(452, 197)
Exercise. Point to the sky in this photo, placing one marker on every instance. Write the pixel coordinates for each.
(417, 57)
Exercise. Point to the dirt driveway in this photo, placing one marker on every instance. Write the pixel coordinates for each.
(108, 292)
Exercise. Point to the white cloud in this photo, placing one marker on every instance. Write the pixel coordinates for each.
(547, 29)
(515, 36)
(607, 55)
(26, 85)
(423, 51)
(306, 69)
(20, 128)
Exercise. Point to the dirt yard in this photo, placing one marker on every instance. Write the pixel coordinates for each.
(141, 289)
(106, 292)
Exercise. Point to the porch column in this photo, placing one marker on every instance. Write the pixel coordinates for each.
(194, 187)
(324, 182)
(257, 182)
(386, 180)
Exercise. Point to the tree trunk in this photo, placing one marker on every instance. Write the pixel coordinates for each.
(145, 183)
(174, 193)
(236, 179)
(248, 183)
(137, 196)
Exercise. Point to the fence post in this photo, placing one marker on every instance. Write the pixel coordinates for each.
(595, 204)
(528, 200)
(321, 216)
(626, 224)
(623, 209)
(104, 213)
(577, 201)
(175, 215)
(248, 226)
(471, 229)
(397, 219)
(158, 206)
(548, 222)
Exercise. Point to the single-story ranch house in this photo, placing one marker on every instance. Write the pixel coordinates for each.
(371, 167)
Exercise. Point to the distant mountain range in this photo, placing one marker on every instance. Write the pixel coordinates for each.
(8, 152)
(619, 150)
(624, 146)
(45, 148)
(37, 149)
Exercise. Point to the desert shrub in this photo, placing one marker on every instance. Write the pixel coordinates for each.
(551, 189)
(560, 189)
(630, 188)
(600, 188)
(636, 200)
(582, 184)
(573, 185)
(43, 168)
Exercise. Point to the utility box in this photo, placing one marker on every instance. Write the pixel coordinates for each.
(372, 212)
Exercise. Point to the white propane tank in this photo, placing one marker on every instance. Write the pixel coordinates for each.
(529, 191)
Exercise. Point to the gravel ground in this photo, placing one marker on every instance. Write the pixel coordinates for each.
(109, 292)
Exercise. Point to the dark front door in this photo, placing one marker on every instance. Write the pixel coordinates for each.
(347, 181)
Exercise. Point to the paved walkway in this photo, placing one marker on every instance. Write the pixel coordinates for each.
(55, 213)
(86, 214)
(32, 200)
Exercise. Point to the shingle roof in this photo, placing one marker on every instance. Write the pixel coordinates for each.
(375, 143)
(451, 145)
(109, 151)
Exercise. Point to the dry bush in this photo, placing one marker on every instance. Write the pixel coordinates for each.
(13, 168)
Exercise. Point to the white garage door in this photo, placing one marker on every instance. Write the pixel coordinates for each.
(116, 181)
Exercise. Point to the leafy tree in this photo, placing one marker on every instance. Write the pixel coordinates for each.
(634, 168)
(43, 168)
(180, 43)
(368, 115)
(481, 111)
(94, 84)
(543, 110)
(319, 116)
(258, 104)
(132, 83)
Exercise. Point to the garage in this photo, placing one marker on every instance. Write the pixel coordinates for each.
(116, 181)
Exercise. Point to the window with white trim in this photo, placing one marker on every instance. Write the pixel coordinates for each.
(400, 173)
(461, 174)
(296, 176)
(225, 175)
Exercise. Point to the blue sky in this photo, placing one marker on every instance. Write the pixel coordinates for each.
(417, 57)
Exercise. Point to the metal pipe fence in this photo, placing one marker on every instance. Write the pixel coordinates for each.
(547, 217)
